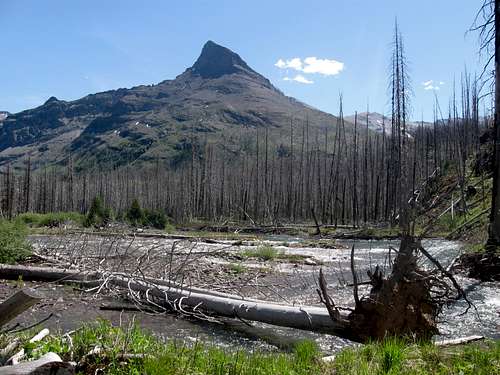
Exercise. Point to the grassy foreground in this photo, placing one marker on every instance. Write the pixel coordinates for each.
(389, 357)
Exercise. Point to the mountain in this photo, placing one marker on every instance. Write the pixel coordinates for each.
(376, 122)
(220, 99)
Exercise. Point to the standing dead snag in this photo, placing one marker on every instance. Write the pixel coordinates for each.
(400, 304)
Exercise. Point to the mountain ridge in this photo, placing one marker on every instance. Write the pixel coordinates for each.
(219, 97)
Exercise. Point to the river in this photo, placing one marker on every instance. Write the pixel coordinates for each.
(296, 284)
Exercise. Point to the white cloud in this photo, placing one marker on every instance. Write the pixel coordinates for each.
(299, 78)
(322, 66)
(280, 64)
(312, 65)
(430, 85)
(294, 63)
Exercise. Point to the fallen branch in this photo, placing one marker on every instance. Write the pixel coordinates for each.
(90, 278)
(449, 275)
(20, 354)
(459, 341)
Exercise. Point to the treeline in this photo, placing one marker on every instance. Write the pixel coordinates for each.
(342, 176)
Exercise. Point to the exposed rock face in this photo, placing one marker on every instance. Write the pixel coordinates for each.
(218, 99)
(216, 61)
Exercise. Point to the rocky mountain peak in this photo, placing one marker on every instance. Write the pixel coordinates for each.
(52, 99)
(216, 61)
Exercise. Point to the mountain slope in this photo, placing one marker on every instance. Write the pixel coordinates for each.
(377, 122)
(220, 98)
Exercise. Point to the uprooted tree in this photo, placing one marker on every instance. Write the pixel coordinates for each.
(409, 299)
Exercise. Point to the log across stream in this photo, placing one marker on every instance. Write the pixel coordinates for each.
(299, 289)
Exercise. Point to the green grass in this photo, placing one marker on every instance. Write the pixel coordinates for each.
(264, 252)
(169, 228)
(447, 224)
(170, 358)
(267, 253)
(391, 356)
(475, 248)
(13, 244)
(236, 268)
(396, 356)
(53, 219)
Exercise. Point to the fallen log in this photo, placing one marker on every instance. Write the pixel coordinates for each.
(90, 278)
(48, 364)
(13, 272)
(305, 317)
(300, 317)
(17, 304)
(459, 341)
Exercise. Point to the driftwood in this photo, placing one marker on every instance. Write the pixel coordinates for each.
(459, 341)
(89, 278)
(20, 354)
(17, 304)
(48, 364)
(181, 299)
(307, 318)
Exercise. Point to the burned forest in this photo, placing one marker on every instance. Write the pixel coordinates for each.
(214, 224)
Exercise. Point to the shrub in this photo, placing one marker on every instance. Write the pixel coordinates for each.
(97, 214)
(155, 219)
(135, 214)
(264, 252)
(169, 228)
(13, 244)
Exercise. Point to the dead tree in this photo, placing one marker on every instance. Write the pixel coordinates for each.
(409, 299)
(493, 36)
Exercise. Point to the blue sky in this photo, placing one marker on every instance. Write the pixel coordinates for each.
(72, 48)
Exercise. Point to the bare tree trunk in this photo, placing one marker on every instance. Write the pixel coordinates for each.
(494, 227)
